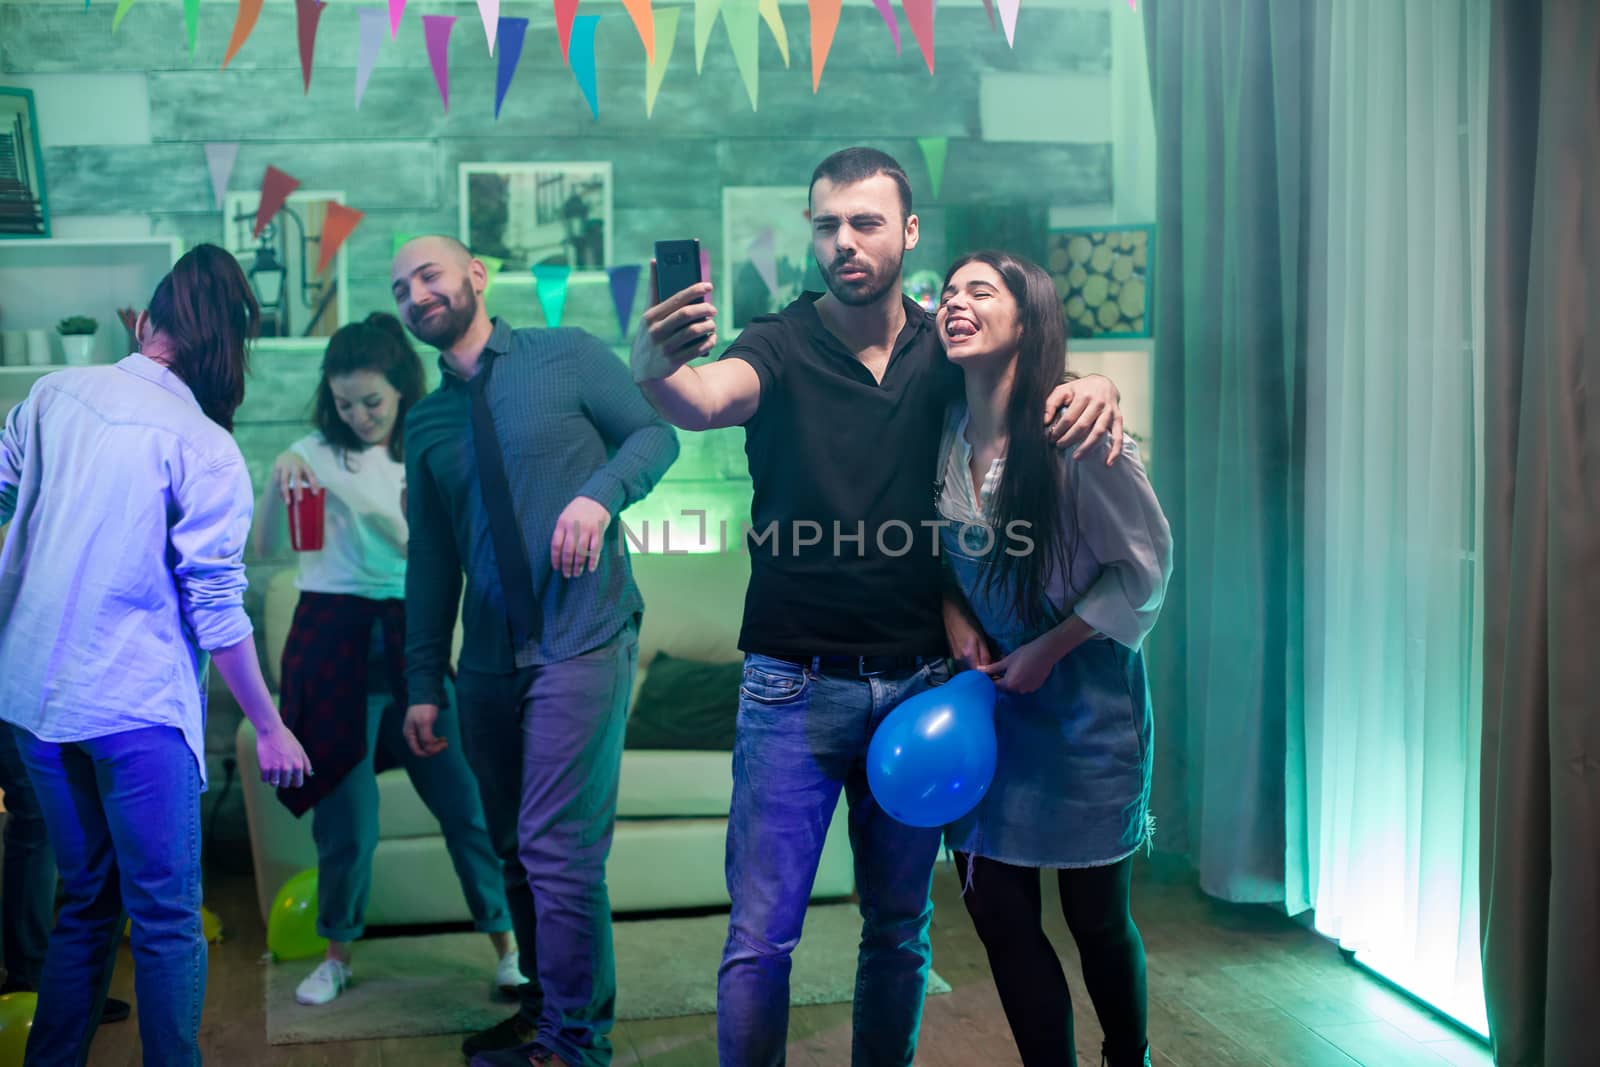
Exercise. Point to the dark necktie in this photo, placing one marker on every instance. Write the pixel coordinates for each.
(516, 579)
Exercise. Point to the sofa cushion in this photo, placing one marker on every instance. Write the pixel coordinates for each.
(657, 784)
(693, 604)
(685, 704)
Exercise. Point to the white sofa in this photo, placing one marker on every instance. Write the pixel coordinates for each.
(671, 812)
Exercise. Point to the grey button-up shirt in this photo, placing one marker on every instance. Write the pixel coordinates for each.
(570, 423)
(129, 511)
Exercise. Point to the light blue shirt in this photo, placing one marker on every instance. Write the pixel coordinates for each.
(129, 512)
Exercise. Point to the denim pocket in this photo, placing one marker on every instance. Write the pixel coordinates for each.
(938, 672)
(766, 686)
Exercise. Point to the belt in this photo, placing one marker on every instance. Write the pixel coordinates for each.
(860, 666)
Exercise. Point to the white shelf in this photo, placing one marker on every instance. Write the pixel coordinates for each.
(42, 281)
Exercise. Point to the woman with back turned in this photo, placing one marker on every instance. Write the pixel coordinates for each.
(122, 574)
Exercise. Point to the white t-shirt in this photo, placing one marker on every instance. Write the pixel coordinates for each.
(364, 536)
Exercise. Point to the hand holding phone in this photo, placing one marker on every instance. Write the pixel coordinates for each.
(681, 325)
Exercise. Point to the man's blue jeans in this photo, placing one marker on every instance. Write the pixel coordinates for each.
(802, 737)
(124, 818)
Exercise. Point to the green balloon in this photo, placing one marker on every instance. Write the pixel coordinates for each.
(16, 1019)
(292, 923)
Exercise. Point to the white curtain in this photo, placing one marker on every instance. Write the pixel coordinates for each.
(1383, 782)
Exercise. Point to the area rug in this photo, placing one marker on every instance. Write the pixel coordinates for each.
(439, 984)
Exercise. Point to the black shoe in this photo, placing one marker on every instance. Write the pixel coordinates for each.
(535, 1055)
(508, 1033)
(1141, 1058)
(115, 1011)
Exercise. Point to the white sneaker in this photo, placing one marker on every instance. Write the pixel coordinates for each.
(508, 976)
(324, 984)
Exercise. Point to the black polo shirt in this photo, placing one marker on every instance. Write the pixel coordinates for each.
(843, 546)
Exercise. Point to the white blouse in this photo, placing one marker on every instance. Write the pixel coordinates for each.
(1124, 550)
(364, 534)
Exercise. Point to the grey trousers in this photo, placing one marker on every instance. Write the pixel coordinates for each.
(545, 744)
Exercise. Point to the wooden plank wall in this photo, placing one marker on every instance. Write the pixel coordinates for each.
(396, 158)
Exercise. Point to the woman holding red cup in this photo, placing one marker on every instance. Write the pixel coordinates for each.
(342, 489)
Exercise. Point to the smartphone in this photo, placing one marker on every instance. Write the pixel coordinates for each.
(677, 267)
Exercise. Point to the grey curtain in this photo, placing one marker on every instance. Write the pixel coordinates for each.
(1231, 81)
(1540, 827)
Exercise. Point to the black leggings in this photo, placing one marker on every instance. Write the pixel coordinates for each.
(1004, 902)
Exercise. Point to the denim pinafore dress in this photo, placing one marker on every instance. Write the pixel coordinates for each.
(1072, 774)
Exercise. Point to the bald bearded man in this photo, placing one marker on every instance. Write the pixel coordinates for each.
(515, 467)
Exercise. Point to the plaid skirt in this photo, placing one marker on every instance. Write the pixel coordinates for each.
(323, 685)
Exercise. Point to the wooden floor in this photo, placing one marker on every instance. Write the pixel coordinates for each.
(1229, 985)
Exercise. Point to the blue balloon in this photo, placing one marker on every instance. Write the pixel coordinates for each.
(932, 758)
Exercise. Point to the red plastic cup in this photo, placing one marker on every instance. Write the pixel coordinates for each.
(305, 519)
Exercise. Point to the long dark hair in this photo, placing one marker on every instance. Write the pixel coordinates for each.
(1032, 488)
(377, 344)
(205, 307)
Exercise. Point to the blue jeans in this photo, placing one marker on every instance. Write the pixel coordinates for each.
(28, 886)
(124, 817)
(545, 744)
(801, 738)
(345, 826)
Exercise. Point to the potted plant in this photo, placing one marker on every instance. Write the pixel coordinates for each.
(77, 338)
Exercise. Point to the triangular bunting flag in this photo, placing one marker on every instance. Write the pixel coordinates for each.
(275, 189)
(624, 287)
(919, 13)
(667, 32)
(824, 23)
(122, 9)
(894, 24)
(491, 266)
(307, 14)
(705, 17)
(551, 283)
(489, 12)
(436, 28)
(397, 8)
(372, 19)
(763, 255)
(988, 9)
(934, 150)
(582, 59)
(644, 20)
(191, 21)
(220, 156)
(774, 20)
(742, 19)
(566, 11)
(243, 23)
(339, 222)
(510, 35)
(1008, 19)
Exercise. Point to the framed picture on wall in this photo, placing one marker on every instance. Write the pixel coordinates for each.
(530, 214)
(281, 263)
(24, 210)
(1103, 277)
(766, 248)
